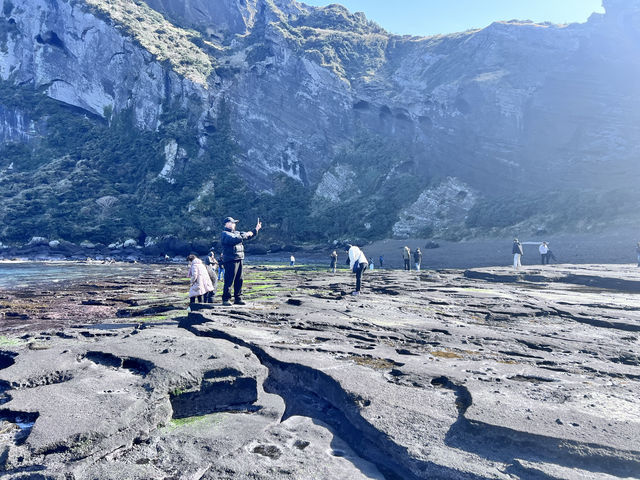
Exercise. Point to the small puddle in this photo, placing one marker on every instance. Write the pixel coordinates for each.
(23, 420)
(24, 423)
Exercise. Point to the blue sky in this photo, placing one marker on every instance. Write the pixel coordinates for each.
(429, 17)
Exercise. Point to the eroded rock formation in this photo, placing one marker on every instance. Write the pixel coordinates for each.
(450, 374)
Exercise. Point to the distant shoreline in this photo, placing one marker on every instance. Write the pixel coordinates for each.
(614, 247)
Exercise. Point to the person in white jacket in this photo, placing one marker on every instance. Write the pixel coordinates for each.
(544, 250)
(201, 283)
(358, 262)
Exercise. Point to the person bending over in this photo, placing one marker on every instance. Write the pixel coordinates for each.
(358, 262)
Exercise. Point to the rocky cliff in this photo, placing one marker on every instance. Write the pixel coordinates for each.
(304, 113)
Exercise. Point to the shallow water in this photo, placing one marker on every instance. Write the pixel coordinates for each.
(38, 274)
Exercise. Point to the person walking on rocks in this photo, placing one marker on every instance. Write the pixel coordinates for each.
(544, 253)
(358, 262)
(638, 252)
(334, 261)
(381, 260)
(233, 251)
(406, 256)
(211, 264)
(417, 258)
(292, 261)
(517, 253)
(200, 282)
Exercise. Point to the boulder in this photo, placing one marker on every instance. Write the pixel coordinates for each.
(37, 241)
(256, 249)
(275, 247)
(201, 247)
(173, 245)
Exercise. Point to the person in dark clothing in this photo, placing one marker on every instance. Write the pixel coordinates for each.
(233, 251)
(211, 264)
(417, 258)
(551, 256)
(517, 253)
(334, 261)
(221, 267)
(381, 259)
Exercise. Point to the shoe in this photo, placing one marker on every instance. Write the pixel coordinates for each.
(226, 303)
(355, 293)
(240, 302)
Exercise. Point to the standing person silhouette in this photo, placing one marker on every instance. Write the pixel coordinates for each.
(517, 253)
(406, 256)
(233, 251)
(417, 257)
(334, 261)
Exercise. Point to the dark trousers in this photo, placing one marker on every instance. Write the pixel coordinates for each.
(232, 276)
(197, 299)
(544, 258)
(407, 264)
(361, 268)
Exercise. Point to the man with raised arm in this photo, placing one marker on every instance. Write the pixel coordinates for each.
(233, 254)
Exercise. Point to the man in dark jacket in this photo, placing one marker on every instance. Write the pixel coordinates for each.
(517, 253)
(233, 254)
(417, 258)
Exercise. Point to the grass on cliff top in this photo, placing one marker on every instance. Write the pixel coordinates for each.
(159, 37)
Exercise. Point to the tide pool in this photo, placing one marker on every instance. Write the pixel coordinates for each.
(15, 275)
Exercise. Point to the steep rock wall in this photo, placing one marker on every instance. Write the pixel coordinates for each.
(514, 108)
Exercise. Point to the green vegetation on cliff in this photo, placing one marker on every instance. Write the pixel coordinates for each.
(161, 38)
(86, 179)
(384, 180)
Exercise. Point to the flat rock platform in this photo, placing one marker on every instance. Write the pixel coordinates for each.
(486, 373)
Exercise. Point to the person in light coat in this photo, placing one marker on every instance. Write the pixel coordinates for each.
(544, 251)
(406, 256)
(334, 261)
(211, 264)
(201, 283)
(358, 262)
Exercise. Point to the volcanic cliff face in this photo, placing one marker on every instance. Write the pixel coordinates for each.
(356, 117)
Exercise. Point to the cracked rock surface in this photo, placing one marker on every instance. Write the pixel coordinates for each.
(478, 374)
